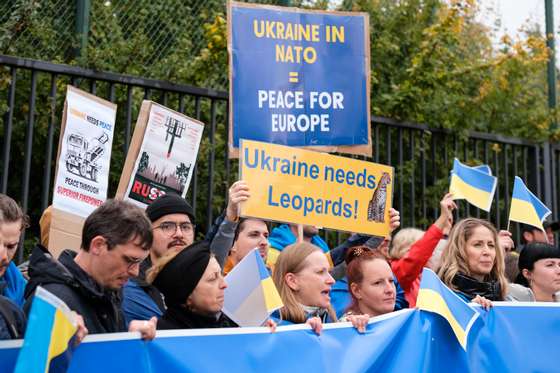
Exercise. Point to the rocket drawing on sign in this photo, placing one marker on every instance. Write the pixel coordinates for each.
(175, 129)
(376, 206)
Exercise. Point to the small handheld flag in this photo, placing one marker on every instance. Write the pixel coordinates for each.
(251, 296)
(47, 346)
(526, 207)
(435, 297)
(475, 184)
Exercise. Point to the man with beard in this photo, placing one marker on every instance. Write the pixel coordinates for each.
(173, 229)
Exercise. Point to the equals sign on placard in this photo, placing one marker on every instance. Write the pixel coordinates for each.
(293, 77)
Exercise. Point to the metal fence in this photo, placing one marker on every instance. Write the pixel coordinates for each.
(32, 95)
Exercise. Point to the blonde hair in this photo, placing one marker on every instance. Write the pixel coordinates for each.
(403, 240)
(291, 260)
(454, 258)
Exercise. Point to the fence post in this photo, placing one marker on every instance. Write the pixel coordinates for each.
(83, 8)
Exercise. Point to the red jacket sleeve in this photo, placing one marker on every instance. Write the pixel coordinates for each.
(409, 267)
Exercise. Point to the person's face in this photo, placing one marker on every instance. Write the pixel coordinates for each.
(310, 231)
(312, 285)
(114, 267)
(537, 235)
(4, 258)
(172, 232)
(545, 275)
(481, 252)
(254, 234)
(11, 231)
(208, 296)
(376, 294)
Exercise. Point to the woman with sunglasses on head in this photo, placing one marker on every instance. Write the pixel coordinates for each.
(539, 275)
(473, 263)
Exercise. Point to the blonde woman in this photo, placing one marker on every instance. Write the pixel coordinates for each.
(473, 263)
(301, 275)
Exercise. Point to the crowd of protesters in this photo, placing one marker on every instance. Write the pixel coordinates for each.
(142, 270)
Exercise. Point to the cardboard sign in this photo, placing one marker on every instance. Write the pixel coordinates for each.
(306, 187)
(82, 171)
(299, 78)
(161, 156)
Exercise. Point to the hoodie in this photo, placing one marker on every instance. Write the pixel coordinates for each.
(100, 308)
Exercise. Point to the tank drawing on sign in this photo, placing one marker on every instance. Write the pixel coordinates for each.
(376, 206)
(82, 154)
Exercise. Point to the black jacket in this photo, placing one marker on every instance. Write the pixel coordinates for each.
(176, 317)
(100, 308)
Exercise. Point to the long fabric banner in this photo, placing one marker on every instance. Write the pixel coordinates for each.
(518, 337)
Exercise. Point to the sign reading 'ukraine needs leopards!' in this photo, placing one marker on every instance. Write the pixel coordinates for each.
(298, 77)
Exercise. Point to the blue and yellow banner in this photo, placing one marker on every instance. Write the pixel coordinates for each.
(526, 207)
(475, 184)
(307, 187)
(47, 346)
(435, 297)
(299, 77)
(511, 337)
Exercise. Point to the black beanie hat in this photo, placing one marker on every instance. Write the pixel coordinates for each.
(178, 278)
(170, 203)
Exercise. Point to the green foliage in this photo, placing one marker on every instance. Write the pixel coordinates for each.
(431, 63)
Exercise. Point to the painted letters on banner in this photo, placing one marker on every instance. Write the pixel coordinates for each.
(307, 187)
(167, 156)
(84, 153)
(299, 77)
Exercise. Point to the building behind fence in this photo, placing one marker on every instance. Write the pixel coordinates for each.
(32, 97)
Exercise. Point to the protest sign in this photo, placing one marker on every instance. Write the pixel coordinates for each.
(299, 78)
(82, 171)
(306, 187)
(161, 156)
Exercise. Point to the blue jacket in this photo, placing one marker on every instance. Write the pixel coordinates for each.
(340, 297)
(137, 304)
(282, 236)
(14, 285)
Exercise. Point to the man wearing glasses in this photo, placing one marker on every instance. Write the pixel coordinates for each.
(173, 230)
(116, 238)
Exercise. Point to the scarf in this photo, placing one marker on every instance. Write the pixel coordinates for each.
(471, 287)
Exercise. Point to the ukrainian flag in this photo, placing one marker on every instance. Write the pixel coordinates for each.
(475, 185)
(435, 297)
(526, 207)
(251, 295)
(47, 346)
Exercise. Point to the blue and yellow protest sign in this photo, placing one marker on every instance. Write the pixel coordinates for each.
(307, 187)
(299, 78)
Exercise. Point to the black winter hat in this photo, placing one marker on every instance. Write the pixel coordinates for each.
(169, 204)
(178, 278)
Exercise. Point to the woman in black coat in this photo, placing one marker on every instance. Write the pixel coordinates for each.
(192, 284)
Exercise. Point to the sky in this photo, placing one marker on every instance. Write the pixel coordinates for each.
(516, 13)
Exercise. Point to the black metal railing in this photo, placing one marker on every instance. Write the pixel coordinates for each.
(33, 93)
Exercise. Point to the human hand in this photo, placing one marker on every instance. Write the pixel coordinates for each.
(316, 324)
(484, 302)
(147, 329)
(238, 192)
(505, 241)
(359, 322)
